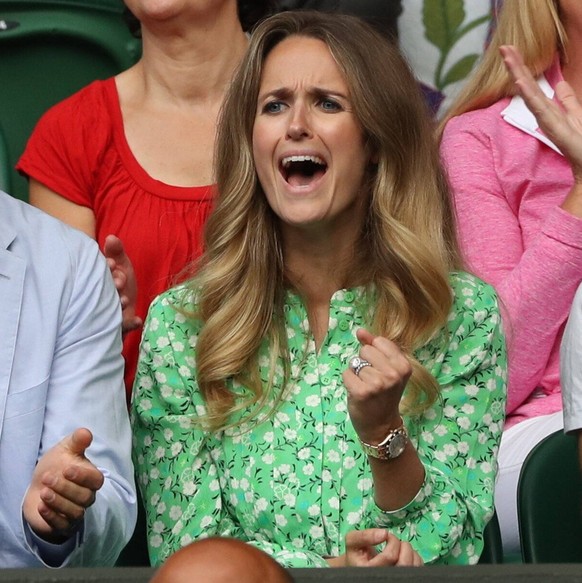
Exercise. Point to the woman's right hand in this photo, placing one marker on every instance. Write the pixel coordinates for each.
(375, 392)
(361, 551)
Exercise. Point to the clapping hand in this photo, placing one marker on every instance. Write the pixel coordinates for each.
(63, 486)
(125, 281)
(561, 122)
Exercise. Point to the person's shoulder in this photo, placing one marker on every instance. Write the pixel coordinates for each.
(486, 120)
(84, 99)
(471, 334)
(473, 325)
(177, 307)
(83, 109)
(472, 296)
(29, 220)
(464, 283)
(37, 234)
(184, 295)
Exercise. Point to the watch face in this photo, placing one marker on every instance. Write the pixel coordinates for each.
(396, 445)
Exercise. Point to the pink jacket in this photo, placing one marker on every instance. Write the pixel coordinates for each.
(508, 181)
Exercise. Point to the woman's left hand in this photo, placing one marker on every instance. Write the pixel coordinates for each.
(361, 550)
(374, 393)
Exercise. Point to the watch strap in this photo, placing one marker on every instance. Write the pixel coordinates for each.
(383, 450)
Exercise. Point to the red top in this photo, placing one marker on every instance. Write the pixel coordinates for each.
(78, 150)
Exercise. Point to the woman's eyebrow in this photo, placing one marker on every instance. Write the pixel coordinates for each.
(317, 91)
(278, 93)
(323, 92)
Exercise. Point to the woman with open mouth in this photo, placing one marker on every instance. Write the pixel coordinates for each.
(330, 387)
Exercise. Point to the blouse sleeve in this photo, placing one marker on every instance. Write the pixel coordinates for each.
(526, 279)
(176, 461)
(175, 468)
(458, 438)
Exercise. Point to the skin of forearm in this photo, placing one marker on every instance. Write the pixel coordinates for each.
(397, 481)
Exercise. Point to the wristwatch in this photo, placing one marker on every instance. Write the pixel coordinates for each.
(390, 447)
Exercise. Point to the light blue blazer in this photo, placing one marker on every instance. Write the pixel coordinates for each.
(60, 369)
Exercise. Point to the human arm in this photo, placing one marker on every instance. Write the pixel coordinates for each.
(374, 396)
(76, 215)
(177, 476)
(63, 155)
(457, 439)
(61, 183)
(525, 264)
(86, 390)
(571, 371)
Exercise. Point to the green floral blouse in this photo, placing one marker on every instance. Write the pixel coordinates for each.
(294, 485)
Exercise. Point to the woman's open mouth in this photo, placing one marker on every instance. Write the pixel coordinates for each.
(302, 170)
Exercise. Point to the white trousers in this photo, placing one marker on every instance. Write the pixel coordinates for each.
(516, 443)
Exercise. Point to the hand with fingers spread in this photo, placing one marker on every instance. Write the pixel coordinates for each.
(125, 281)
(361, 550)
(561, 122)
(63, 486)
(375, 387)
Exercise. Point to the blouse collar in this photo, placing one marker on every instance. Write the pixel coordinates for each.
(518, 115)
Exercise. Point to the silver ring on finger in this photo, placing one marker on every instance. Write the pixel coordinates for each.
(357, 364)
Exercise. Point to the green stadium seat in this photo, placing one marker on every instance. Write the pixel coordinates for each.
(549, 502)
(493, 549)
(50, 49)
(4, 164)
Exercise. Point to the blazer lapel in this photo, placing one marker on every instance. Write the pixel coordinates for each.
(12, 270)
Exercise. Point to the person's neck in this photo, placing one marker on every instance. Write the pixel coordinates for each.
(192, 69)
(572, 64)
(319, 264)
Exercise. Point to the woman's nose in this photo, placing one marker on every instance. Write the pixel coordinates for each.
(299, 126)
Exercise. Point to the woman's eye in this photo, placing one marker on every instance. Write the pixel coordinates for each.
(273, 107)
(330, 105)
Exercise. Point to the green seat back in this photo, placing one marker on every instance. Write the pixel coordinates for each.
(4, 164)
(493, 549)
(549, 502)
(49, 50)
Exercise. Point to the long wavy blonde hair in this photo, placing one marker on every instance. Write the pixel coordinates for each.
(407, 245)
(535, 28)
